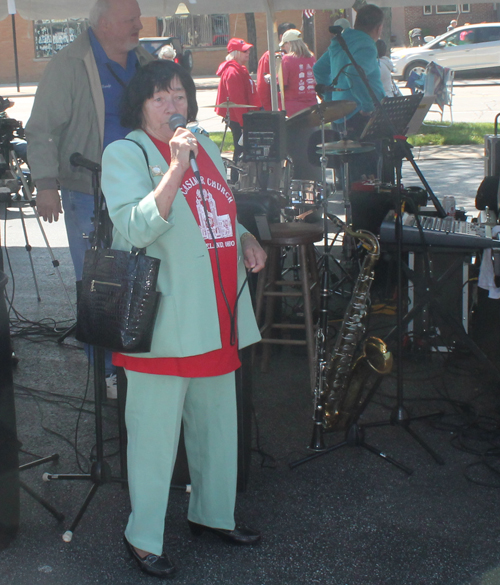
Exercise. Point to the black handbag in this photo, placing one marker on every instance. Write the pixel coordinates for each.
(118, 301)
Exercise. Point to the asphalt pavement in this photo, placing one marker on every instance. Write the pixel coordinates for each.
(348, 518)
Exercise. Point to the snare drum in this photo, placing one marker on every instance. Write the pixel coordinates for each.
(304, 193)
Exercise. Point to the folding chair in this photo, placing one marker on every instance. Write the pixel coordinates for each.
(439, 83)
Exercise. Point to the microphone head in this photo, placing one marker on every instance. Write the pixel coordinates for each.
(177, 121)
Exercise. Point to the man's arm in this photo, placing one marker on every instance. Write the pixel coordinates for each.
(50, 114)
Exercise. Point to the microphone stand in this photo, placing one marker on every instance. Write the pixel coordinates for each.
(100, 470)
(398, 416)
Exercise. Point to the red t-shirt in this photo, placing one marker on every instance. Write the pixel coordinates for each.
(299, 82)
(221, 209)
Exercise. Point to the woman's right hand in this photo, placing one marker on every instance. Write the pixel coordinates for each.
(182, 144)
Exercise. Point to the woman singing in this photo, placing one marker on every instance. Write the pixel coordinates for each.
(155, 202)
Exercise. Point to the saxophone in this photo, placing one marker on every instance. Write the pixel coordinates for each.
(344, 380)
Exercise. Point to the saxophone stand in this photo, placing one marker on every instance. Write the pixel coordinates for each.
(100, 471)
(354, 432)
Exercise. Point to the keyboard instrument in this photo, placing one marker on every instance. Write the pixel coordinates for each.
(436, 231)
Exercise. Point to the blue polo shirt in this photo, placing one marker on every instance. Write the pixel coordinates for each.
(112, 88)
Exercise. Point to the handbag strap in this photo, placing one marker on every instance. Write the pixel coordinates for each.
(142, 148)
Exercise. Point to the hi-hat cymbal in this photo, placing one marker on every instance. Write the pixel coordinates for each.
(231, 105)
(326, 111)
(340, 148)
(342, 144)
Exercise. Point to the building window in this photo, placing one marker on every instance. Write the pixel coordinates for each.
(446, 9)
(427, 10)
(53, 35)
(465, 7)
(195, 30)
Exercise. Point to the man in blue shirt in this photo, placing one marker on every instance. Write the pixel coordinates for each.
(76, 109)
(336, 65)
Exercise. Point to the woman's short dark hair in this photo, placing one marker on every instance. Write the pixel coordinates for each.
(381, 48)
(155, 76)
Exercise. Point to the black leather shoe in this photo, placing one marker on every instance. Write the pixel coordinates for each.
(240, 534)
(152, 564)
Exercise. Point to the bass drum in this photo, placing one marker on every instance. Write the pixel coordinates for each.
(302, 147)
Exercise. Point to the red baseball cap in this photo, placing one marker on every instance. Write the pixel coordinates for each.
(238, 45)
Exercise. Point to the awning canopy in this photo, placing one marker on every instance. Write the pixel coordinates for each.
(44, 9)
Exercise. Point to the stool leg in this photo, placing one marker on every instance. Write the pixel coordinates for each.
(261, 285)
(308, 318)
(266, 329)
(313, 269)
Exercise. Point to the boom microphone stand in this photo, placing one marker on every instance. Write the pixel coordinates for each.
(100, 471)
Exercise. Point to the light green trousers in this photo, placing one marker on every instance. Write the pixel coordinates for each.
(154, 410)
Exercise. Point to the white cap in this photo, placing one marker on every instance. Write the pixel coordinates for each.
(290, 35)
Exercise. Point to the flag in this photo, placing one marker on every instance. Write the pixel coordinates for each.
(309, 13)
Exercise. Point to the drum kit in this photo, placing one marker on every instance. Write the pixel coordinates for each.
(298, 197)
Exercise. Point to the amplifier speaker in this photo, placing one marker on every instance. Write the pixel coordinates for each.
(9, 461)
(492, 155)
(453, 295)
(264, 137)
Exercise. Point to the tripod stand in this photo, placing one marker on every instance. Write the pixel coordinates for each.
(17, 177)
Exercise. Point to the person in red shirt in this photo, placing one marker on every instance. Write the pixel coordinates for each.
(298, 77)
(263, 88)
(238, 87)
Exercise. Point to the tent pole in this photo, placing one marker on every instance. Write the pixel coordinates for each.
(15, 51)
(271, 28)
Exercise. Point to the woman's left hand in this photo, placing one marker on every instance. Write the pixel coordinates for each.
(253, 253)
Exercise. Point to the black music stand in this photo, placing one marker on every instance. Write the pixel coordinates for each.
(399, 110)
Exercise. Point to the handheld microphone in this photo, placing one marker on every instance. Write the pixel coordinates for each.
(78, 160)
(178, 121)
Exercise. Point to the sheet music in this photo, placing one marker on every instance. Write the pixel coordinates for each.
(419, 115)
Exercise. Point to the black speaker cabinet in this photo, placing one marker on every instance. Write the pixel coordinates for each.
(264, 137)
(244, 412)
(9, 461)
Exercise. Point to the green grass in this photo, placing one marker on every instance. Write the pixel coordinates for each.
(459, 133)
(228, 141)
(430, 135)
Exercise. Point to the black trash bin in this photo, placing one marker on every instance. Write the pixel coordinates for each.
(9, 460)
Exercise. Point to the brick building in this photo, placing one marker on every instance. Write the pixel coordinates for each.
(433, 19)
(37, 40)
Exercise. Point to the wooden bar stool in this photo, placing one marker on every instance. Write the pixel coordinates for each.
(271, 285)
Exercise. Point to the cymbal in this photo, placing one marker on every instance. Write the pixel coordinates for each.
(327, 111)
(231, 105)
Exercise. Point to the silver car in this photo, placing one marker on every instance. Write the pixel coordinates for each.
(465, 48)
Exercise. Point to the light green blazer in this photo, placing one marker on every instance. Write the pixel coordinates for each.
(187, 322)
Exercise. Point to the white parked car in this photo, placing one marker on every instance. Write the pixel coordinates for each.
(465, 48)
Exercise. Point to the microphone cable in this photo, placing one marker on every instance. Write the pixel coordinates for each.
(178, 121)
